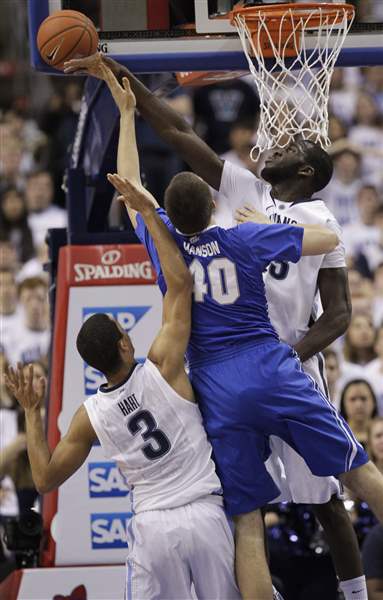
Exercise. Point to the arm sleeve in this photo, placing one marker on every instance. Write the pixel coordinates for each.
(372, 553)
(146, 239)
(337, 258)
(238, 187)
(265, 243)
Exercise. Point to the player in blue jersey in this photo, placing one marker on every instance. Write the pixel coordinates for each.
(208, 250)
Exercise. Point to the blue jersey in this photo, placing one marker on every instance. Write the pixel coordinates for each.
(230, 307)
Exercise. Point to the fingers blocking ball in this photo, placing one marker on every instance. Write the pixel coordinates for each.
(64, 35)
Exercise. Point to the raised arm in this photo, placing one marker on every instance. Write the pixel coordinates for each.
(49, 469)
(128, 164)
(167, 123)
(168, 349)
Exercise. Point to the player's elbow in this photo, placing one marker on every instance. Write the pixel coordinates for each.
(172, 133)
(43, 485)
(342, 319)
(184, 283)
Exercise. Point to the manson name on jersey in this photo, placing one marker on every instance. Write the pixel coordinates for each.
(204, 250)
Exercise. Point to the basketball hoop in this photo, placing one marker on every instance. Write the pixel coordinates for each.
(291, 50)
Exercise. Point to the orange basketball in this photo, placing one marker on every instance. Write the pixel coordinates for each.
(64, 35)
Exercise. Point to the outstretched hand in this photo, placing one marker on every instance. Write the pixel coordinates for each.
(20, 383)
(133, 195)
(246, 214)
(99, 66)
(90, 65)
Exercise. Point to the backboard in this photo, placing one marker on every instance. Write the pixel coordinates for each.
(190, 35)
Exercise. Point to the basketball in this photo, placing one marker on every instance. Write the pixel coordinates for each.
(64, 35)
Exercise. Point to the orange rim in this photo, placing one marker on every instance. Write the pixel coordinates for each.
(274, 12)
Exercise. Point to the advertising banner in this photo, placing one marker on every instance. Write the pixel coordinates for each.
(66, 583)
(87, 517)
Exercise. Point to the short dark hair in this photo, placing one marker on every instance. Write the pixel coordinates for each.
(189, 203)
(321, 162)
(97, 343)
(31, 283)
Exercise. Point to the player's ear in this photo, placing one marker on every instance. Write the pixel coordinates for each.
(125, 344)
(306, 171)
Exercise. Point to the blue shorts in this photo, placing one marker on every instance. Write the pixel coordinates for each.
(262, 391)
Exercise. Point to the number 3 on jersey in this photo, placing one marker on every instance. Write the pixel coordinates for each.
(222, 276)
(144, 423)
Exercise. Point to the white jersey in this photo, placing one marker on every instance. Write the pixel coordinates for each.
(291, 289)
(157, 439)
(26, 345)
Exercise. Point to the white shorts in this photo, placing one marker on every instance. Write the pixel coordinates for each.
(170, 550)
(289, 470)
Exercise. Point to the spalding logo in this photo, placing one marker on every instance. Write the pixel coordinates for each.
(110, 257)
(109, 270)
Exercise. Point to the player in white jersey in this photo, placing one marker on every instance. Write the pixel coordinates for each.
(147, 420)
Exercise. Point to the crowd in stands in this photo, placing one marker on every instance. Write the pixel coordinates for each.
(32, 160)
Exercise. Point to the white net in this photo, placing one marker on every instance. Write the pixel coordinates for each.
(294, 91)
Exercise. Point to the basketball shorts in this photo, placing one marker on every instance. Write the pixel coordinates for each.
(288, 469)
(170, 551)
(259, 392)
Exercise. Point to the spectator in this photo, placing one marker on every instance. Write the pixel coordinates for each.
(43, 214)
(332, 375)
(367, 134)
(374, 84)
(341, 193)
(14, 461)
(8, 433)
(9, 316)
(342, 100)
(362, 292)
(241, 139)
(11, 156)
(8, 252)
(13, 219)
(358, 345)
(7, 401)
(374, 370)
(372, 554)
(371, 253)
(378, 295)
(360, 234)
(358, 407)
(337, 129)
(35, 266)
(375, 442)
(217, 107)
(27, 131)
(31, 339)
